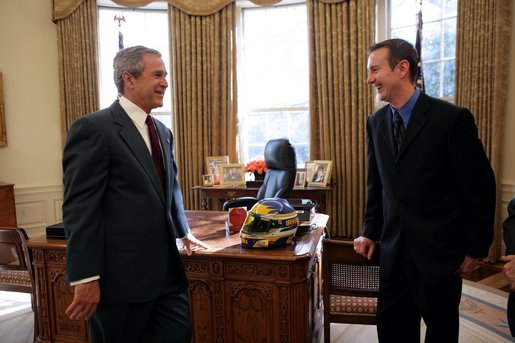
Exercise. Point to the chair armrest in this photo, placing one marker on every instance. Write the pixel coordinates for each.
(247, 202)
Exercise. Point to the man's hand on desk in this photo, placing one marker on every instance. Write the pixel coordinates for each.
(190, 243)
(85, 301)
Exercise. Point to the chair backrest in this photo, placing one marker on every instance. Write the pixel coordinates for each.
(281, 162)
(16, 273)
(350, 285)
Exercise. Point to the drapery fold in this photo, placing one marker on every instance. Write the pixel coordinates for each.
(481, 85)
(78, 65)
(340, 32)
(63, 8)
(204, 92)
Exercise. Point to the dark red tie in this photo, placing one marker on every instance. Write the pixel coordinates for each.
(157, 155)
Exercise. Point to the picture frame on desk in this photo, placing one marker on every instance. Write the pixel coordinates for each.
(213, 166)
(300, 179)
(310, 168)
(321, 173)
(208, 180)
(232, 175)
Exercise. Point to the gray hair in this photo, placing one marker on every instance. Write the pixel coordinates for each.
(131, 61)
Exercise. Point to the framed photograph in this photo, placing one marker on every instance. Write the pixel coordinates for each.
(310, 168)
(3, 132)
(321, 173)
(232, 175)
(213, 165)
(300, 179)
(208, 180)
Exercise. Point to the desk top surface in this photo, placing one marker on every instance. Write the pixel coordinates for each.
(210, 227)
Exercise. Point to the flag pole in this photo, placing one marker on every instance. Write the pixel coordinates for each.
(418, 46)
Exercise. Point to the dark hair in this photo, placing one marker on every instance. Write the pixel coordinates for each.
(130, 60)
(398, 50)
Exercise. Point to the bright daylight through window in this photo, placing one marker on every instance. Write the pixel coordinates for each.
(273, 83)
(148, 27)
(438, 39)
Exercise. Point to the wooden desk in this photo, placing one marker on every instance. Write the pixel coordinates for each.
(237, 295)
(7, 205)
(316, 194)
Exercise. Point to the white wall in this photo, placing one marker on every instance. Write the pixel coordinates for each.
(32, 159)
(28, 62)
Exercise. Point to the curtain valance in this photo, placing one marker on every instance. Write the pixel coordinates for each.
(63, 8)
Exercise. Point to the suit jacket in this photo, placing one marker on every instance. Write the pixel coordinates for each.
(119, 222)
(438, 193)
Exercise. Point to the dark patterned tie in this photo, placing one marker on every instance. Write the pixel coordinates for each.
(157, 155)
(398, 129)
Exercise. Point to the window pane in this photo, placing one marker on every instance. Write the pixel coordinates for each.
(432, 10)
(449, 36)
(431, 42)
(276, 56)
(450, 8)
(448, 78)
(432, 78)
(402, 13)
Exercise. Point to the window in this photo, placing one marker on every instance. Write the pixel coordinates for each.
(147, 26)
(273, 79)
(438, 39)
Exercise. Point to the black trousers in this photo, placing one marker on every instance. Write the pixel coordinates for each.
(165, 319)
(404, 299)
(511, 313)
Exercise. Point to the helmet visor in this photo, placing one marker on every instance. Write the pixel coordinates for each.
(255, 224)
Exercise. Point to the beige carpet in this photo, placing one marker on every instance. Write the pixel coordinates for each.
(482, 319)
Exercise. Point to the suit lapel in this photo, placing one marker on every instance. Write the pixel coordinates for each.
(133, 139)
(417, 121)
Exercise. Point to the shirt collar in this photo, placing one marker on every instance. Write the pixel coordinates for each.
(137, 115)
(406, 110)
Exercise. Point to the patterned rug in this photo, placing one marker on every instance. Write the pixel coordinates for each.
(483, 313)
(482, 319)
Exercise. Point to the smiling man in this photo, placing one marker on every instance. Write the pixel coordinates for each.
(122, 212)
(430, 203)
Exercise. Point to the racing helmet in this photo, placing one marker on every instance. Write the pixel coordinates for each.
(271, 222)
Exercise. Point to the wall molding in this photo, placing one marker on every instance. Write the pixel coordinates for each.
(38, 207)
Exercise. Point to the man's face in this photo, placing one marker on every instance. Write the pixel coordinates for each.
(148, 90)
(382, 77)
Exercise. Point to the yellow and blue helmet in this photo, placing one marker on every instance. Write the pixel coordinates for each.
(270, 223)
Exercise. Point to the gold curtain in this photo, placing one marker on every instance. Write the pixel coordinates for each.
(483, 29)
(340, 32)
(77, 57)
(204, 92)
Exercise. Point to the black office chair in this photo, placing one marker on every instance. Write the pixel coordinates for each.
(282, 167)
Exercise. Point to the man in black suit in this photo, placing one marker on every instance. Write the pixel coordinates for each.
(509, 267)
(122, 216)
(431, 200)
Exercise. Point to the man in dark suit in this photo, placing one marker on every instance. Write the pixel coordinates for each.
(509, 267)
(431, 200)
(122, 213)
